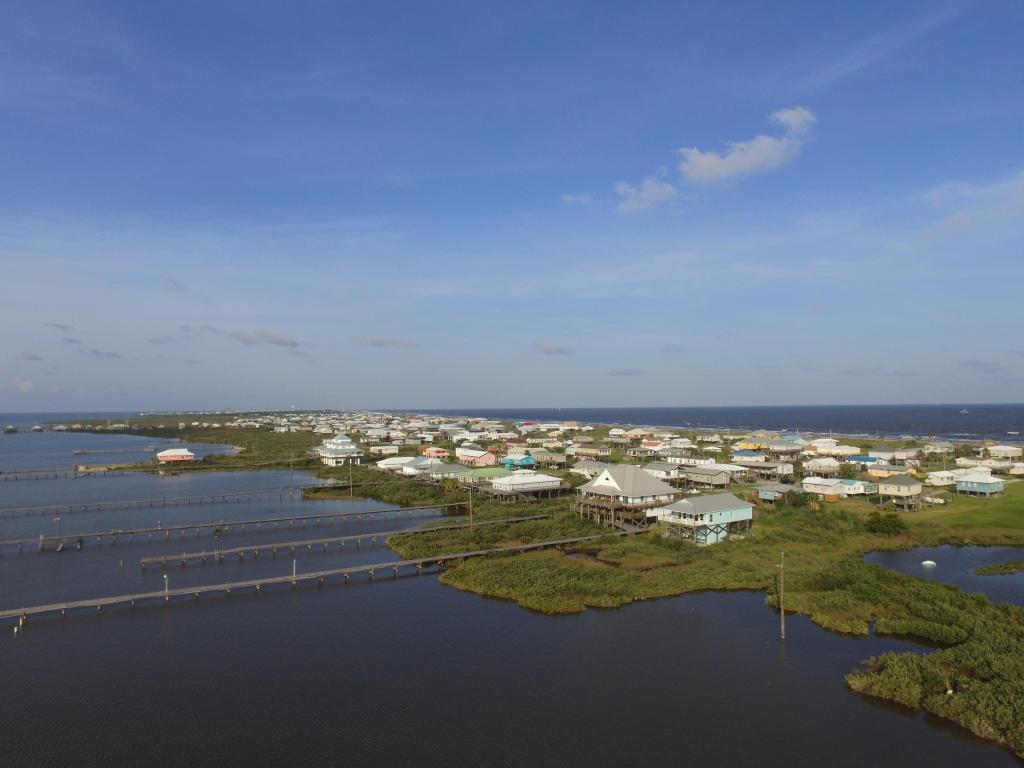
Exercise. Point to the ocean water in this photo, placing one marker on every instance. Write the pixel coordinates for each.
(940, 421)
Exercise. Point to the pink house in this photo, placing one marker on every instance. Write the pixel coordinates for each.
(435, 452)
(478, 458)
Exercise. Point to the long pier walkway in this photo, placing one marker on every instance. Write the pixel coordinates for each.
(11, 475)
(43, 543)
(293, 579)
(163, 501)
(290, 546)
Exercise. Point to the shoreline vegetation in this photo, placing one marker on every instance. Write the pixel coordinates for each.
(1001, 569)
(974, 676)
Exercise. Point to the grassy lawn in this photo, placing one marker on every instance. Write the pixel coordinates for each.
(1006, 511)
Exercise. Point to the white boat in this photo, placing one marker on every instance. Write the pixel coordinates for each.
(964, 410)
(10, 429)
(929, 563)
(37, 428)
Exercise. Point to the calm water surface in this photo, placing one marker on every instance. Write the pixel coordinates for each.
(402, 671)
(957, 565)
(56, 450)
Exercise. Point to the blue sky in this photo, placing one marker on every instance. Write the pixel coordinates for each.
(468, 205)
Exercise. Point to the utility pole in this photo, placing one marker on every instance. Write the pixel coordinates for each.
(350, 486)
(782, 597)
(470, 489)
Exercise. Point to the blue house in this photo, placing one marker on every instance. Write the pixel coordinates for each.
(518, 461)
(980, 485)
(706, 519)
(747, 456)
(861, 459)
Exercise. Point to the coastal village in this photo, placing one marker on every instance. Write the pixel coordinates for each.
(698, 485)
(561, 516)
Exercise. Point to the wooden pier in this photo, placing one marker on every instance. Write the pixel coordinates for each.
(11, 475)
(293, 579)
(181, 501)
(78, 540)
(290, 547)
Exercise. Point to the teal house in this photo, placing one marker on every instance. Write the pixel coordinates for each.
(706, 519)
(980, 485)
(518, 461)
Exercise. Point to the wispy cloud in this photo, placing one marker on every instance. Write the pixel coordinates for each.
(878, 370)
(650, 193)
(71, 340)
(104, 354)
(381, 342)
(984, 367)
(31, 357)
(552, 348)
(627, 372)
(879, 47)
(270, 338)
(170, 284)
(757, 155)
(23, 385)
(60, 327)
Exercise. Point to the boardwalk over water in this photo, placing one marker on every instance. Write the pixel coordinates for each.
(219, 554)
(163, 501)
(43, 543)
(293, 579)
(11, 475)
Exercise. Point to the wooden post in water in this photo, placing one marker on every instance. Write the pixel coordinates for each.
(782, 597)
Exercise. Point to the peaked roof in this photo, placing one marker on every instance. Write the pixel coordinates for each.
(702, 505)
(631, 481)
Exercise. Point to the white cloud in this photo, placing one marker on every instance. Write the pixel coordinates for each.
(576, 199)
(24, 385)
(650, 193)
(757, 155)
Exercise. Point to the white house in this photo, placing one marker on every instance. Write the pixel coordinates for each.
(1005, 451)
(662, 470)
(823, 486)
(623, 492)
(526, 481)
(824, 444)
(826, 465)
(395, 463)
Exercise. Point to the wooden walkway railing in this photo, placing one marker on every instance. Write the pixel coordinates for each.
(164, 501)
(219, 554)
(43, 542)
(293, 579)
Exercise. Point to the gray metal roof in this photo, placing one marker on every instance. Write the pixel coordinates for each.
(632, 482)
(702, 505)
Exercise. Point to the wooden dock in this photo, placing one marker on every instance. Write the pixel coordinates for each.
(164, 501)
(11, 475)
(218, 555)
(78, 540)
(293, 579)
